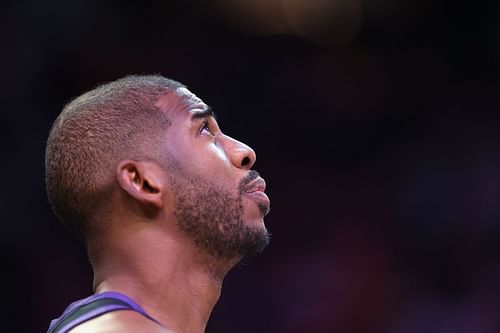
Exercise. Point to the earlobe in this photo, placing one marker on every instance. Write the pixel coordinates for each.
(142, 181)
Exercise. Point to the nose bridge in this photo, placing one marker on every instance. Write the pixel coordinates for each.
(240, 154)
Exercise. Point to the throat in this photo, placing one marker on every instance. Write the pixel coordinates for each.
(180, 295)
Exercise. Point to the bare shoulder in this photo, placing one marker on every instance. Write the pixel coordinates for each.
(120, 322)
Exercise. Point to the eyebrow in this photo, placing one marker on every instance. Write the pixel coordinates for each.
(208, 112)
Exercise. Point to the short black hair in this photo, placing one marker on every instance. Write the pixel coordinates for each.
(115, 121)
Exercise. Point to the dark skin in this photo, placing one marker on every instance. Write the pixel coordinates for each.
(144, 254)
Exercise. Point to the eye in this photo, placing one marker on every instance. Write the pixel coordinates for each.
(205, 128)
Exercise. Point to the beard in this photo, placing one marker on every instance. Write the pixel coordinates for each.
(213, 217)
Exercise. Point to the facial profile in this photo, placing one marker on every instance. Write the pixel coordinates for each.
(156, 119)
(216, 197)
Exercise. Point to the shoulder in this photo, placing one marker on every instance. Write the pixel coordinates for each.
(120, 322)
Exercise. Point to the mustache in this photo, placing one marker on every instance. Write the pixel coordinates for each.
(247, 179)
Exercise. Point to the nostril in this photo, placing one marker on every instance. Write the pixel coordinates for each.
(246, 161)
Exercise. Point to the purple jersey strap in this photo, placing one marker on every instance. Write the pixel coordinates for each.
(88, 308)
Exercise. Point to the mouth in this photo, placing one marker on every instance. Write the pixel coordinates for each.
(256, 185)
(255, 190)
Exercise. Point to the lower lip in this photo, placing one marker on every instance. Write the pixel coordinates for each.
(260, 197)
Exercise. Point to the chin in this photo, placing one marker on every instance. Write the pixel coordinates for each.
(255, 221)
(256, 211)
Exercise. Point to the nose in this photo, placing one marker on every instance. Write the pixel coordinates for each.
(240, 155)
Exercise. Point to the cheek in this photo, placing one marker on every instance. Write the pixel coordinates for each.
(202, 158)
(208, 160)
(216, 162)
(217, 167)
(219, 154)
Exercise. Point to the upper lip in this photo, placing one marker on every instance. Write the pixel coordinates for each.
(258, 184)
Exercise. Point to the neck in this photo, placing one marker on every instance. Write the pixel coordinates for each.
(166, 275)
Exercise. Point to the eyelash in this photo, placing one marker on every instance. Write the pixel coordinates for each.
(206, 126)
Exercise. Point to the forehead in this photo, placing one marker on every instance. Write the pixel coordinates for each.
(180, 103)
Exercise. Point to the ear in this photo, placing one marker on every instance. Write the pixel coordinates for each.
(143, 181)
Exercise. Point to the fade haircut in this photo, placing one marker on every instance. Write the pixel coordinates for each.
(93, 133)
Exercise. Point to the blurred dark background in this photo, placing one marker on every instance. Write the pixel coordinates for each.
(375, 123)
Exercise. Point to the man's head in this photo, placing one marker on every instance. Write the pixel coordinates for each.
(156, 144)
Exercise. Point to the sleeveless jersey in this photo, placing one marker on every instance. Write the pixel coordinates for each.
(88, 308)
